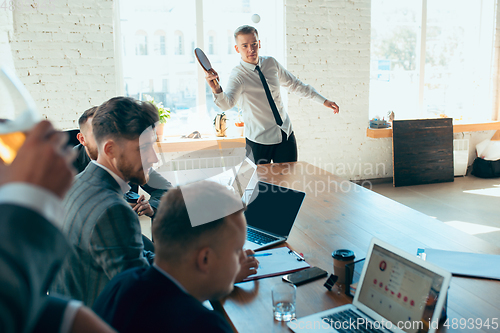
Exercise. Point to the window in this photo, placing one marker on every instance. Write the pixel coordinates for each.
(179, 46)
(176, 78)
(160, 43)
(141, 43)
(211, 43)
(192, 53)
(432, 58)
(230, 42)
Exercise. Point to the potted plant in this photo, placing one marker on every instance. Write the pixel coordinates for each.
(163, 113)
(240, 125)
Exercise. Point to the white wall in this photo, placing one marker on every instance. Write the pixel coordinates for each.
(496, 67)
(328, 44)
(6, 30)
(65, 56)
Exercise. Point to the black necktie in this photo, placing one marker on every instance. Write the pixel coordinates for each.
(270, 99)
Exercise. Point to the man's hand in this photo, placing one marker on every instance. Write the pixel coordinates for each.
(143, 207)
(43, 160)
(332, 105)
(248, 266)
(212, 79)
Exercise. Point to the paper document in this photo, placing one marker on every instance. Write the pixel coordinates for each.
(281, 261)
(466, 264)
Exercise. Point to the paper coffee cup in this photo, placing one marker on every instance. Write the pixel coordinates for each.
(341, 258)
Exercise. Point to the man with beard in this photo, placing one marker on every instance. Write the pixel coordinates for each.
(103, 230)
(87, 151)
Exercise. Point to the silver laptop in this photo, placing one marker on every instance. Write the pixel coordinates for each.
(271, 214)
(397, 292)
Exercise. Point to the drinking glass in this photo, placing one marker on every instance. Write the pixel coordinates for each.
(284, 295)
(12, 132)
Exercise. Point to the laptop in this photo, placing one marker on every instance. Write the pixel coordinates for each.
(271, 214)
(397, 292)
(242, 178)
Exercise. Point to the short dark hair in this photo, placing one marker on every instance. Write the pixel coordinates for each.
(245, 30)
(172, 228)
(86, 115)
(123, 117)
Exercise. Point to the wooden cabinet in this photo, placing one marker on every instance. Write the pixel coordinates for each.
(422, 151)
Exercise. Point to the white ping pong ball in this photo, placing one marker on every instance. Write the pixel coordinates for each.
(256, 18)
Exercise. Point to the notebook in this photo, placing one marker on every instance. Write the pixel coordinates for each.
(271, 214)
(465, 264)
(395, 289)
(278, 261)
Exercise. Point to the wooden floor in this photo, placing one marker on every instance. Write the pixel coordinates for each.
(470, 204)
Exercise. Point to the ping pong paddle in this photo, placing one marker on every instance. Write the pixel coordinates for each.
(204, 62)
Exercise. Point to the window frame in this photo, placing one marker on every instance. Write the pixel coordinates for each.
(138, 46)
(159, 46)
(172, 37)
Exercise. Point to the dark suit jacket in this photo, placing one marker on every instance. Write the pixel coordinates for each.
(31, 251)
(145, 300)
(161, 184)
(104, 233)
(82, 159)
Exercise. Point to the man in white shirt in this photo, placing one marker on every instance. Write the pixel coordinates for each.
(31, 246)
(255, 83)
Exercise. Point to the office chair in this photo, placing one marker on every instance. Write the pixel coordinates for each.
(73, 141)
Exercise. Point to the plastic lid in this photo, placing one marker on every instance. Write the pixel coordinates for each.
(343, 255)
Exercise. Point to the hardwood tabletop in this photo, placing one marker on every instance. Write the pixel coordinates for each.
(336, 214)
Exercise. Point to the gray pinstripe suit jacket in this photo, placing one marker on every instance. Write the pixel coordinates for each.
(104, 233)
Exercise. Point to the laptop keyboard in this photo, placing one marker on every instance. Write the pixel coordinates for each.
(348, 316)
(258, 237)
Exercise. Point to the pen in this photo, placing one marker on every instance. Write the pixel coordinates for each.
(300, 256)
(260, 255)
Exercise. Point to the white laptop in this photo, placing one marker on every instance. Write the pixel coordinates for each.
(397, 292)
(271, 214)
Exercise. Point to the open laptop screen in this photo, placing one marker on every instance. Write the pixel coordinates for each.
(400, 290)
(274, 208)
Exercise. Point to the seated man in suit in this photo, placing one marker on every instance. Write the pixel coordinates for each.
(87, 151)
(103, 230)
(31, 245)
(192, 264)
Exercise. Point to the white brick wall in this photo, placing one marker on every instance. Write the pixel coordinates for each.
(328, 45)
(6, 109)
(496, 64)
(64, 56)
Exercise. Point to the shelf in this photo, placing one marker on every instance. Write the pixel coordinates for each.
(458, 128)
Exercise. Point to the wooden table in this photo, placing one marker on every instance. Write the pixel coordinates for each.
(337, 213)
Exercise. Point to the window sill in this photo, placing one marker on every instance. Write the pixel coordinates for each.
(458, 128)
(176, 144)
